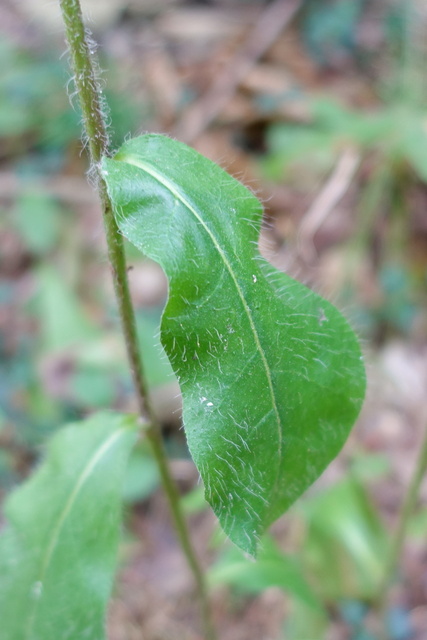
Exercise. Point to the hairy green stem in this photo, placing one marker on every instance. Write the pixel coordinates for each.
(89, 94)
(406, 510)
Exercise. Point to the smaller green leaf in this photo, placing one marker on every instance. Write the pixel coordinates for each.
(58, 552)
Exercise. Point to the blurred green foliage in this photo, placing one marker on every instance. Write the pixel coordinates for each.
(329, 28)
(30, 121)
(271, 569)
(392, 144)
(24, 110)
(39, 237)
(395, 134)
(336, 565)
(389, 136)
(345, 543)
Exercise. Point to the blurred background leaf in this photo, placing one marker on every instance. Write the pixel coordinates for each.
(58, 552)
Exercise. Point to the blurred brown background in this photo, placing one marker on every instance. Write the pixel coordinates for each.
(319, 106)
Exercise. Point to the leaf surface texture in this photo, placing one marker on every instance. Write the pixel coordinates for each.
(271, 374)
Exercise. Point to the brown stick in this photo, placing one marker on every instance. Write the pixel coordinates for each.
(331, 193)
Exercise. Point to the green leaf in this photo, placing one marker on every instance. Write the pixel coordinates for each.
(58, 553)
(271, 374)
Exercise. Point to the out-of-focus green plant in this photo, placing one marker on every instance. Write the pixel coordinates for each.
(345, 543)
(329, 29)
(391, 142)
(272, 569)
(339, 556)
(395, 134)
(42, 125)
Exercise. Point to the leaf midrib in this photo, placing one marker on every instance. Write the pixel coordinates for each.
(129, 159)
(56, 530)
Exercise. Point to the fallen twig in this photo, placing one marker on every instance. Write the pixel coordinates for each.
(331, 193)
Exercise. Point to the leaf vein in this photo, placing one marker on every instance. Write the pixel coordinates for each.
(129, 159)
